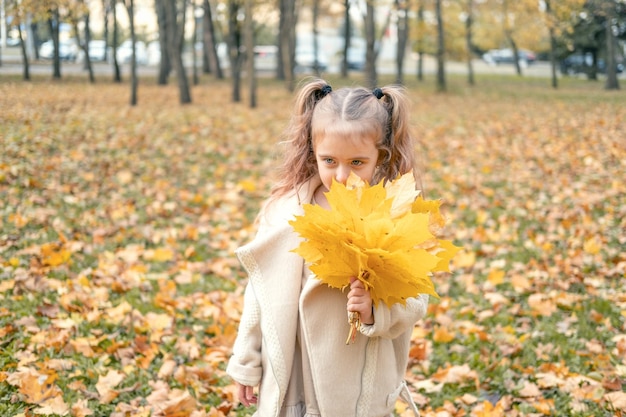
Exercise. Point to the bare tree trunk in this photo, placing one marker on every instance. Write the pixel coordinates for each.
(420, 40)
(280, 67)
(441, 49)
(403, 37)
(130, 7)
(234, 48)
(509, 36)
(87, 42)
(518, 67)
(176, 36)
(84, 46)
(53, 23)
(33, 44)
(117, 75)
(3, 28)
(194, 39)
(106, 10)
(287, 42)
(371, 77)
(24, 54)
(548, 5)
(347, 37)
(249, 41)
(210, 42)
(555, 82)
(612, 83)
(316, 46)
(165, 64)
(468, 41)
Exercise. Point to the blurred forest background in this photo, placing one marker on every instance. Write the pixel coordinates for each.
(287, 37)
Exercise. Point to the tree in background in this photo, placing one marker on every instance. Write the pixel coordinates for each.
(165, 66)
(592, 34)
(19, 10)
(78, 11)
(235, 45)
(420, 42)
(371, 54)
(249, 42)
(373, 40)
(211, 62)
(512, 24)
(469, 22)
(559, 17)
(117, 75)
(441, 48)
(611, 11)
(175, 14)
(347, 36)
(287, 42)
(592, 28)
(130, 8)
(402, 9)
(517, 15)
(316, 46)
(54, 22)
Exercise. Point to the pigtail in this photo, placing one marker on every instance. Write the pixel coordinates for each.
(299, 160)
(397, 141)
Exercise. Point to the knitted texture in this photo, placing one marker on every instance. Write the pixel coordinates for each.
(270, 335)
(368, 378)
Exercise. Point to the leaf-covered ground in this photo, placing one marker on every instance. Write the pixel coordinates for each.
(120, 294)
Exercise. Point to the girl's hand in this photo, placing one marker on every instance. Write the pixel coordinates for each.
(246, 394)
(360, 301)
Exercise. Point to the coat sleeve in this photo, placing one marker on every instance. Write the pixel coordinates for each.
(245, 363)
(390, 322)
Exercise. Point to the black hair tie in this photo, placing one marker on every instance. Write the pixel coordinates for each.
(326, 90)
(378, 93)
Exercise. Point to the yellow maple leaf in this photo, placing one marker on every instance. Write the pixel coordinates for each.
(54, 254)
(592, 246)
(375, 234)
(443, 335)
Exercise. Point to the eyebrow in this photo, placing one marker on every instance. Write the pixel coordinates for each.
(351, 158)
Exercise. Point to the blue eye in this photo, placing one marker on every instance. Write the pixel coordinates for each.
(357, 163)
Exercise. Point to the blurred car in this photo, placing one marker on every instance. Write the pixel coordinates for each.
(97, 51)
(356, 59)
(505, 56)
(68, 50)
(266, 57)
(306, 60)
(154, 53)
(125, 52)
(582, 63)
(13, 42)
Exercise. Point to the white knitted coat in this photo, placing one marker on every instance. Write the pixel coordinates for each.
(359, 380)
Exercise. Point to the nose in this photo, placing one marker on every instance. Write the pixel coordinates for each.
(342, 174)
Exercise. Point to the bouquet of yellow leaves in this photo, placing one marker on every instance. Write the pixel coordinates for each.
(384, 235)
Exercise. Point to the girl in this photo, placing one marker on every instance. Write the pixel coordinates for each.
(291, 340)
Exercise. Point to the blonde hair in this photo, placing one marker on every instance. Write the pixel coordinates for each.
(318, 111)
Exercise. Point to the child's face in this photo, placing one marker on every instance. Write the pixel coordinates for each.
(336, 156)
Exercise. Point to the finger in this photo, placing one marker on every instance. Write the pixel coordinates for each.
(252, 399)
(241, 393)
(246, 395)
(356, 283)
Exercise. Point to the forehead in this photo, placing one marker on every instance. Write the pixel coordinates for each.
(331, 125)
(346, 146)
